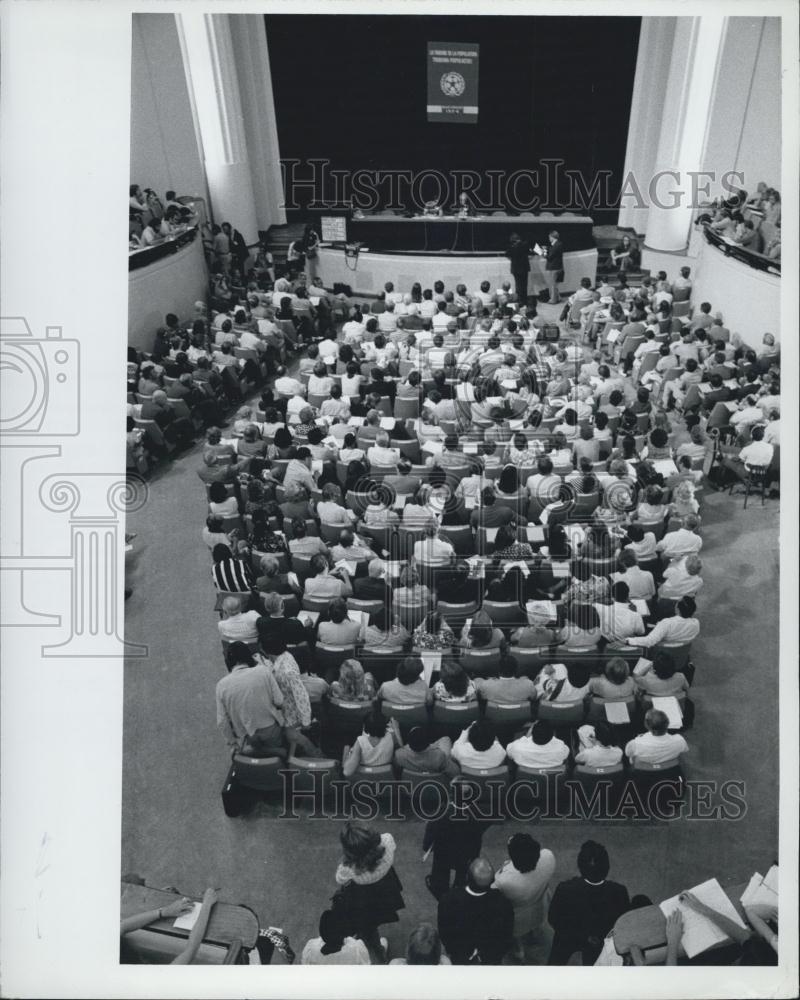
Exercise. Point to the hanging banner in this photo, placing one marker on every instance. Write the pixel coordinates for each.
(453, 82)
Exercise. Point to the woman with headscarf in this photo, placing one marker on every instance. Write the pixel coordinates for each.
(553, 684)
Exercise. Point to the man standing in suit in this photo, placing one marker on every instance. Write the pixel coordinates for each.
(476, 922)
(518, 252)
(456, 841)
(554, 266)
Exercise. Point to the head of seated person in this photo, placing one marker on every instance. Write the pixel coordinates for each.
(508, 481)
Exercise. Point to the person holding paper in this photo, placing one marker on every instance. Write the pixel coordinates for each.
(657, 745)
(178, 908)
(619, 620)
(554, 267)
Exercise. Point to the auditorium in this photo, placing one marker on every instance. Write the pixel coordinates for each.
(454, 389)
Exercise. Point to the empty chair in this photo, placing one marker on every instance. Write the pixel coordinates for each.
(460, 537)
(406, 715)
(539, 788)
(530, 660)
(456, 614)
(455, 714)
(490, 783)
(480, 662)
(310, 774)
(601, 788)
(328, 659)
(506, 614)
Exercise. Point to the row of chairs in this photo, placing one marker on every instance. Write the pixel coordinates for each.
(509, 790)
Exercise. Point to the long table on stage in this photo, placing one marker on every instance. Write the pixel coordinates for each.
(476, 234)
(452, 250)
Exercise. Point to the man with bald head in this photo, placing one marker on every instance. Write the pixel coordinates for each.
(476, 922)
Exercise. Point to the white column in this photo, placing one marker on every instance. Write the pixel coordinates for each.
(684, 128)
(644, 127)
(249, 36)
(211, 70)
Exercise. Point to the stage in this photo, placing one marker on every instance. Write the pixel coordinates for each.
(452, 250)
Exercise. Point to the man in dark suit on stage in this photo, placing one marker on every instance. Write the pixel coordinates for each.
(554, 266)
(518, 253)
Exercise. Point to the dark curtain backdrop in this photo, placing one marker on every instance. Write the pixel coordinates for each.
(352, 90)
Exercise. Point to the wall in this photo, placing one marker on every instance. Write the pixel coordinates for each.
(172, 284)
(164, 153)
(749, 300)
(759, 154)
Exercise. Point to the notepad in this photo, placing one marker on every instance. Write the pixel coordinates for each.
(465, 391)
(186, 921)
(400, 500)
(470, 502)
(543, 609)
(508, 383)
(762, 890)
(665, 467)
(670, 707)
(516, 425)
(346, 565)
(387, 423)
(360, 617)
(699, 933)
(613, 337)
(535, 533)
(430, 662)
(317, 465)
(355, 422)
(641, 606)
(560, 569)
(617, 713)
(433, 447)
(642, 666)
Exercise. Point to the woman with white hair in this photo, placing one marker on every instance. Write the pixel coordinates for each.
(681, 579)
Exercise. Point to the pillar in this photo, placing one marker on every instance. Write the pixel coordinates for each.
(685, 119)
(213, 81)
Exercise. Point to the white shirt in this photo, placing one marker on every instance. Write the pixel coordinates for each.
(618, 622)
(387, 322)
(383, 457)
(599, 756)
(467, 756)
(756, 453)
(529, 754)
(286, 385)
(433, 550)
(680, 543)
(676, 631)
(651, 749)
(440, 320)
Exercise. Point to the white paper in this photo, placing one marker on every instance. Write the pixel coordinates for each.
(508, 383)
(665, 467)
(535, 533)
(355, 422)
(387, 423)
(617, 713)
(465, 391)
(699, 933)
(641, 606)
(543, 608)
(317, 465)
(613, 336)
(762, 890)
(670, 707)
(430, 662)
(346, 565)
(187, 920)
(470, 448)
(642, 666)
(433, 447)
(309, 617)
